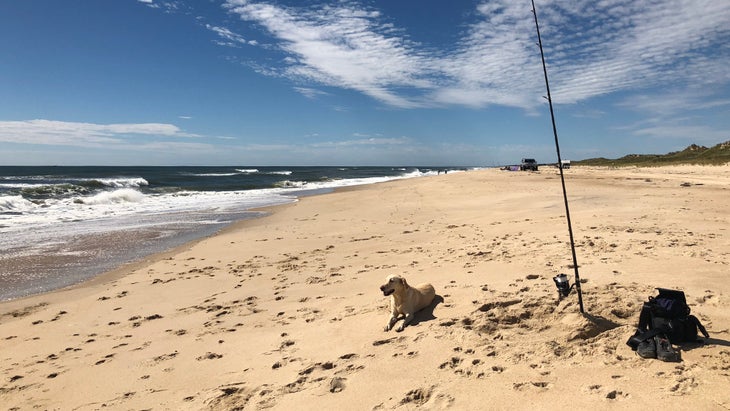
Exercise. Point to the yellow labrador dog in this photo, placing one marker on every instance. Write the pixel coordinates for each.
(405, 300)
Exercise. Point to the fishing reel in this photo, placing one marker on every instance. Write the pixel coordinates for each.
(563, 285)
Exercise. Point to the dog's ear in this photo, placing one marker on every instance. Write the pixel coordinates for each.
(403, 282)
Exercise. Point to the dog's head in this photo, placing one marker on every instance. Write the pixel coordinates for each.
(392, 284)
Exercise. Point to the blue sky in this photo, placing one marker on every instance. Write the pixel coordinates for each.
(430, 82)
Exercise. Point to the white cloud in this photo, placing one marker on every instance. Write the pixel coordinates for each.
(149, 3)
(49, 132)
(230, 38)
(699, 134)
(670, 104)
(592, 49)
(677, 115)
(643, 45)
(342, 47)
(310, 93)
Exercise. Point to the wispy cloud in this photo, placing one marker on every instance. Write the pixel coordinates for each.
(670, 104)
(641, 45)
(699, 134)
(593, 49)
(372, 141)
(342, 46)
(677, 115)
(310, 93)
(48, 132)
(228, 37)
(168, 6)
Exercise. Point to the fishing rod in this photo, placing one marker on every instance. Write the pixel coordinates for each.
(561, 280)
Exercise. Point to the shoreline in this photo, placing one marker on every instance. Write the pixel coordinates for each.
(129, 260)
(284, 311)
(125, 268)
(52, 239)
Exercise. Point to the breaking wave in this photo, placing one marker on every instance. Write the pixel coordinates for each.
(15, 204)
(122, 182)
(124, 195)
(290, 184)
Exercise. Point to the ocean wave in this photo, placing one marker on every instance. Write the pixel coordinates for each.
(22, 177)
(18, 185)
(257, 171)
(69, 188)
(213, 174)
(45, 191)
(96, 201)
(15, 204)
(124, 195)
(122, 182)
(290, 184)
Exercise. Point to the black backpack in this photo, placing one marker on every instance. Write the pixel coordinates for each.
(669, 314)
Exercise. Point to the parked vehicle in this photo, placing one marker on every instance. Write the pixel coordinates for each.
(528, 164)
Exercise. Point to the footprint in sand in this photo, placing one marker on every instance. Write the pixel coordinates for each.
(532, 385)
(684, 382)
(452, 363)
(319, 372)
(58, 316)
(103, 360)
(232, 396)
(337, 384)
(418, 396)
(165, 357)
(615, 394)
(209, 356)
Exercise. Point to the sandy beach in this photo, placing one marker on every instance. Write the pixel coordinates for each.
(284, 312)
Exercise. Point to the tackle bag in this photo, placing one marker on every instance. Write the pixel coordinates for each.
(668, 314)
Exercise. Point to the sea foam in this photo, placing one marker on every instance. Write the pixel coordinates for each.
(15, 204)
(123, 182)
(124, 195)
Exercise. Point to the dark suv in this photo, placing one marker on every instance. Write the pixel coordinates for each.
(528, 164)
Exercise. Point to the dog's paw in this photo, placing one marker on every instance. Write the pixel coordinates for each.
(387, 328)
(400, 328)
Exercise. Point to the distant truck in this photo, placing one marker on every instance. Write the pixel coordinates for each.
(528, 164)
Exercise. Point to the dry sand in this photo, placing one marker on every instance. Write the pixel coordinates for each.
(284, 312)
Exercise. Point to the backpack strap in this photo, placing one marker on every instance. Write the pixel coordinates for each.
(651, 333)
(645, 316)
(699, 326)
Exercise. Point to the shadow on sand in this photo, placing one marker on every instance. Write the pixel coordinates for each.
(427, 313)
(704, 342)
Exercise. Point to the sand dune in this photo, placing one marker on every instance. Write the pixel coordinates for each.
(284, 312)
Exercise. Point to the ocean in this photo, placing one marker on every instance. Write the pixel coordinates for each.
(63, 225)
